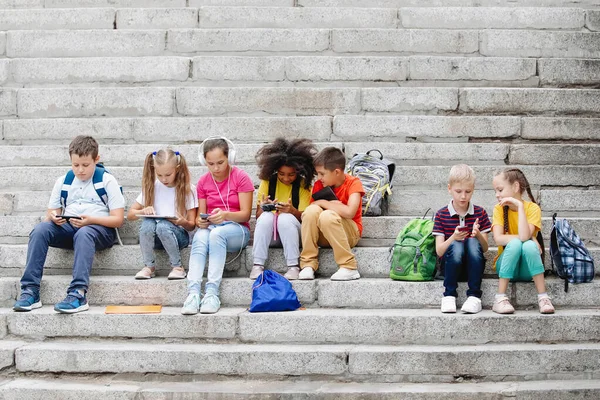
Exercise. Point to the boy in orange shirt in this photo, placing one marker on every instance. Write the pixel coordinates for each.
(332, 223)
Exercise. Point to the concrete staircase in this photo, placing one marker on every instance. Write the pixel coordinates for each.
(431, 83)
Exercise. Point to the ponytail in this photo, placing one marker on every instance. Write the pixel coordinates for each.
(148, 178)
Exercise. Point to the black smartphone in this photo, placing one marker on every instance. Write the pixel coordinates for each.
(204, 216)
(268, 207)
(68, 217)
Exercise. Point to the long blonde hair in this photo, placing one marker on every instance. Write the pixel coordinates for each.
(182, 177)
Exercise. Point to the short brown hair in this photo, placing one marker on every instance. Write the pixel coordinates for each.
(84, 146)
(331, 158)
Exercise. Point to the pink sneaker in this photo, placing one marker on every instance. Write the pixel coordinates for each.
(546, 306)
(503, 306)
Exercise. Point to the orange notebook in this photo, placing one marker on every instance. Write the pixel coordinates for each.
(133, 310)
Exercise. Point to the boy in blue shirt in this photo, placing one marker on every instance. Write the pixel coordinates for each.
(93, 230)
(461, 237)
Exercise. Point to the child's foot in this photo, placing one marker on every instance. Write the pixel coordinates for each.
(307, 274)
(502, 305)
(210, 304)
(546, 306)
(146, 273)
(292, 273)
(191, 304)
(345, 274)
(256, 271)
(472, 305)
(73, 303)
(177, 273)
(448, 304)
(27, 302)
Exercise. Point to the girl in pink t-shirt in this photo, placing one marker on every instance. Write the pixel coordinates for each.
(224, 209)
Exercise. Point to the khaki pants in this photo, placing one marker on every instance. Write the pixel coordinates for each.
(326, 228)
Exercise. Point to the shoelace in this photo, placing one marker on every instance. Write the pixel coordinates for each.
(209, 296)
(189, 301)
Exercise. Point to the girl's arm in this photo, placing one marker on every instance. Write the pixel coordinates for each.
(138, 209)
(201, 223)
(218, 216)
(500, 237)
(188, 222)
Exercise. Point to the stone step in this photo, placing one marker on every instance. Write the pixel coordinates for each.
(92, 389)
(363, 293)
(229, 101)
(405, 153)
(446, 3)
(360, 362)
(72, 19)
(392, 326)
(7, 353)
(154, 42)
(343, 128)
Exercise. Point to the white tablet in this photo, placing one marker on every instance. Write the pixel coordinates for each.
(158, 216)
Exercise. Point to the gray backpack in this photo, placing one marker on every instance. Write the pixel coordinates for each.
(375, 174)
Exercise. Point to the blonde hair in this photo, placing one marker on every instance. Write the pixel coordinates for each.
(461, 173)
(182, 177)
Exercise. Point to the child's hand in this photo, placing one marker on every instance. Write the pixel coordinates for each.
(179, 221)
(265, 200)
(511, 202)
(217, 217)
(285, 207)
(57, 221)
(460, 235)
(476, 230)
(147, 211)
(80, 223)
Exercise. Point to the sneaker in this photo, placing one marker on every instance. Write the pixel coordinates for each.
(448, 304)
(73, 303)
(546, 306)
(345, 274)
(177, 273)
(472, 305)
(256, 271)
(292, 273)
(191, 304)
(145, 273)
(307, 274)
(210, 304)
(28, 302)
(502, 306)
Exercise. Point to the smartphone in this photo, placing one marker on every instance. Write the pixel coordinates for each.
(464, 229)
(68, 217)
(268, 207)
(204, 216)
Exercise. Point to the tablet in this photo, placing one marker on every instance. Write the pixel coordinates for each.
(158, 216)
(326, 193)
(68, 217)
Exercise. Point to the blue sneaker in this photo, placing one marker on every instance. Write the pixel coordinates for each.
(28, 301)
(73, 303)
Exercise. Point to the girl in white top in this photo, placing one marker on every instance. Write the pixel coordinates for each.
(168, 206)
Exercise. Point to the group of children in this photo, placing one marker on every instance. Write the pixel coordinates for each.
(87, 205)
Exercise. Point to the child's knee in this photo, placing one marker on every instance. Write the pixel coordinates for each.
(42, 229)
(312, 211)
(473, 246)
(265, 219)
(514, 244)
(455, 251)
(164, 228)
(328, 217)
(530, 247)
(286, 221)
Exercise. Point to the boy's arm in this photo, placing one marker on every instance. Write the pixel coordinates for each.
(51, 214)
(442, 245)
(114, 220)
(347, 211)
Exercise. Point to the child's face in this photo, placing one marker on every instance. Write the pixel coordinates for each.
(329, 178)
(83, 166)
(166, 174)
(461, 193)
(503, 188)
(287, 175)
(217, 163)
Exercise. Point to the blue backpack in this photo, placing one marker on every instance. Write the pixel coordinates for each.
(272, 292)
(571, 260)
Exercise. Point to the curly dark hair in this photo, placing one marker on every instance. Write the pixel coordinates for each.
(296, 153)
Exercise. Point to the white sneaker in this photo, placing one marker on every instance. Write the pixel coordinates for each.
(472, 305)
(307, 274)
(292, 273)
(345, 274)
(191, 305)
(210, 304)
(256, 271)
(448, 304)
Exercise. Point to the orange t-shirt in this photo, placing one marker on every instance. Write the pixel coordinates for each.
(351, 185)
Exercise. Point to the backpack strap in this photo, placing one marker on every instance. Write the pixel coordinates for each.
(64, 191)
(97, 180)
(272, 187)
(295, 190)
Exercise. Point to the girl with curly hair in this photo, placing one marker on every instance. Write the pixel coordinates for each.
(286, 173)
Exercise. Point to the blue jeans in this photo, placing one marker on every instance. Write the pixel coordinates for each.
(85, 241)
(464, 256)
(214, 243)
(520, 261)
(162, 234)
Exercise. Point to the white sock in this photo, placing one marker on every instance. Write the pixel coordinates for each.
(500, 296)
(542, 295)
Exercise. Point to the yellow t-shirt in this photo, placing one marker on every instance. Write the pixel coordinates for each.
(532, 211)
(284, 192)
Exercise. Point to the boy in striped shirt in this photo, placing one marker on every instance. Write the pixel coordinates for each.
(461, 230)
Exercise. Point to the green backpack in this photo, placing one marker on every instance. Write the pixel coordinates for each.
(413, 255)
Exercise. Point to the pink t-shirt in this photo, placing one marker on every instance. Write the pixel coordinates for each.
(217, 195)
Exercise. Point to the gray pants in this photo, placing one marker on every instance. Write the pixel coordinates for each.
(288, 236)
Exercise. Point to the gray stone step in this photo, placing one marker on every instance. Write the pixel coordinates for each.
(420, 327)
(363, 293)
(404, 153)
(92, 389)
(91, 18)
(7, 353)
(361, 362)
(448, 3)
(114, 3)
(568, 71)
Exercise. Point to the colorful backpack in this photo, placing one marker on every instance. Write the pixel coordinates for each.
(376, 175)
(571, 260)
(413, 255)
